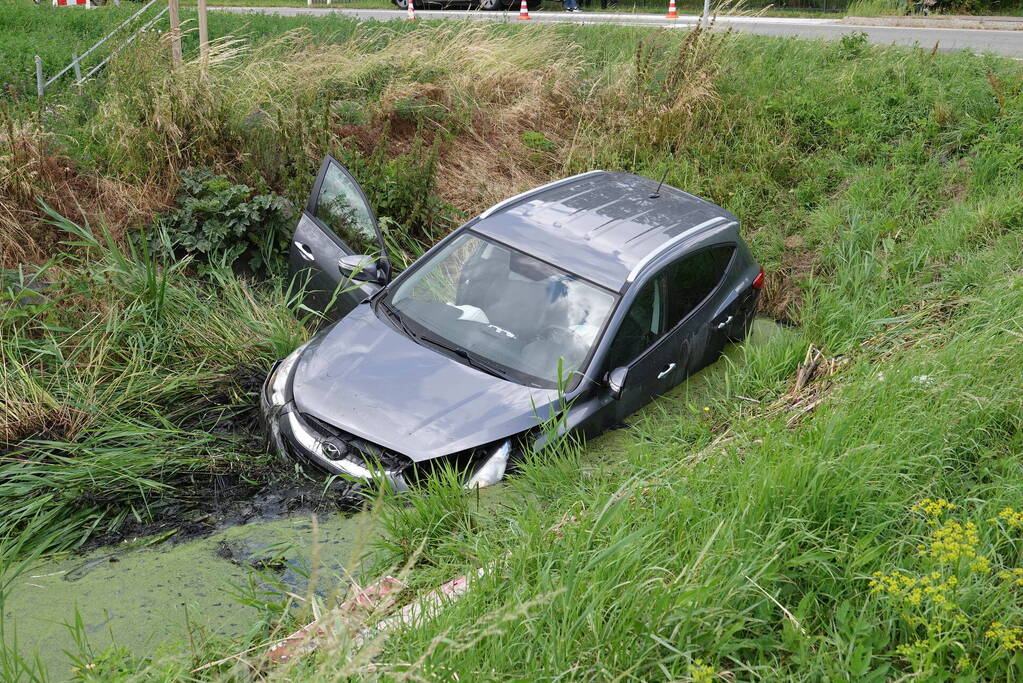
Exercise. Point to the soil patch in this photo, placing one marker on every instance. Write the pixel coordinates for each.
(217, 502)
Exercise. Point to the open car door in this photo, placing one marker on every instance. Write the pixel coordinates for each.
(337, 223)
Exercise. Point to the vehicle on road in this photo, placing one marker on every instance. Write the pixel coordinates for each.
(489, 5)
(595, 293)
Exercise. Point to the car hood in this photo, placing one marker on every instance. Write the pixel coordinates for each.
(365, 377)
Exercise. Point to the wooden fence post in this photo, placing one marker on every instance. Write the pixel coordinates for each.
(175, 26)
(204, 33)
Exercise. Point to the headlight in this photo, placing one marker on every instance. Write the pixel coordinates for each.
(279, 381)
(492, 471)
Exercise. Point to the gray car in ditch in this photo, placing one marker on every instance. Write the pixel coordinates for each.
(597, 292)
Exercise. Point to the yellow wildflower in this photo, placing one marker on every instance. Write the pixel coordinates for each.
(1011, 517)
(952, 542)
(700, 672)
(932, 589)
(909, 650)
(931, 509)
(1015, 575)
(1010, 638)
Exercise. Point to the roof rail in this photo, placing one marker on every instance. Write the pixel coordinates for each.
(522, 195)
(661, 248)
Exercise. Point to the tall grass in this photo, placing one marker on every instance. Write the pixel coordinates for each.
(113, 376)
(438, 122)
(251, 99)
(875, 8)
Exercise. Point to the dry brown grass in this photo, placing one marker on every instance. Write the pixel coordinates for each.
(476, 90)
(783, 293)
(33, 169)
(500, 88)
(29, 408)
(464, 91)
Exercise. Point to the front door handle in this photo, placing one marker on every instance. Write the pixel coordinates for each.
(721, 325)
(304, 251)
(664, 373)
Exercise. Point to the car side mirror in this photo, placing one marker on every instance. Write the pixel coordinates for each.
(383, 271)
(616, 381)
(362, 268)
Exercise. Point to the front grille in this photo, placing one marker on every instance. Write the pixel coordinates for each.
(353, 448)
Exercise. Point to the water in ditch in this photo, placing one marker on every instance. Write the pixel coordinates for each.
(147, 597)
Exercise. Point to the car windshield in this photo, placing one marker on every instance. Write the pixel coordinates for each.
(503, 308)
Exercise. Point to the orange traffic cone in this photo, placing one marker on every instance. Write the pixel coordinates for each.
(412, 10)
(672, 14)
(523, 11)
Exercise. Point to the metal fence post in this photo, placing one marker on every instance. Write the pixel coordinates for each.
(706, 13)
(76, 62)
(40, 88)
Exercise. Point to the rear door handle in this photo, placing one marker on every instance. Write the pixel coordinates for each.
(664, 373)
(721, 325)
(304, 251)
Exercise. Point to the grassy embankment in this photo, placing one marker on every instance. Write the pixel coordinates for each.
(757, 527)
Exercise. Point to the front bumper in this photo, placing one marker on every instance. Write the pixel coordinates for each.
(292, 436)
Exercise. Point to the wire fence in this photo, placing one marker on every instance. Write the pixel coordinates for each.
(129, 30)
(695, 7)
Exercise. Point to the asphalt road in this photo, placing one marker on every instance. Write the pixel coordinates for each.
(1007, 43)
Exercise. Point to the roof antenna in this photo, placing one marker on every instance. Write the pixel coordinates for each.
(657, 192)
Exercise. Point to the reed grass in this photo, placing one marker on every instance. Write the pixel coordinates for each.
(107, 384)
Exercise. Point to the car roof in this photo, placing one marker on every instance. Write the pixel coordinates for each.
(603, 226)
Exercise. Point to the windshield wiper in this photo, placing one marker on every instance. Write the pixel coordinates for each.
(397, 317)
(469, 357)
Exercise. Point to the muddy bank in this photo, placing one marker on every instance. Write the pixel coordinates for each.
(214, 503)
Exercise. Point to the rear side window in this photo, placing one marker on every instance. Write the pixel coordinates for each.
(666, 299)
(691, 279)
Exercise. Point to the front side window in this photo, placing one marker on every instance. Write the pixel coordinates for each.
(343, 209)
(506, 307)
(643, 325)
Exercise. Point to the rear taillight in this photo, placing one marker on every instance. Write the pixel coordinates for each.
(758, 281)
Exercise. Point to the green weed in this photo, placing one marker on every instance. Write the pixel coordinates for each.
(220, 222)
